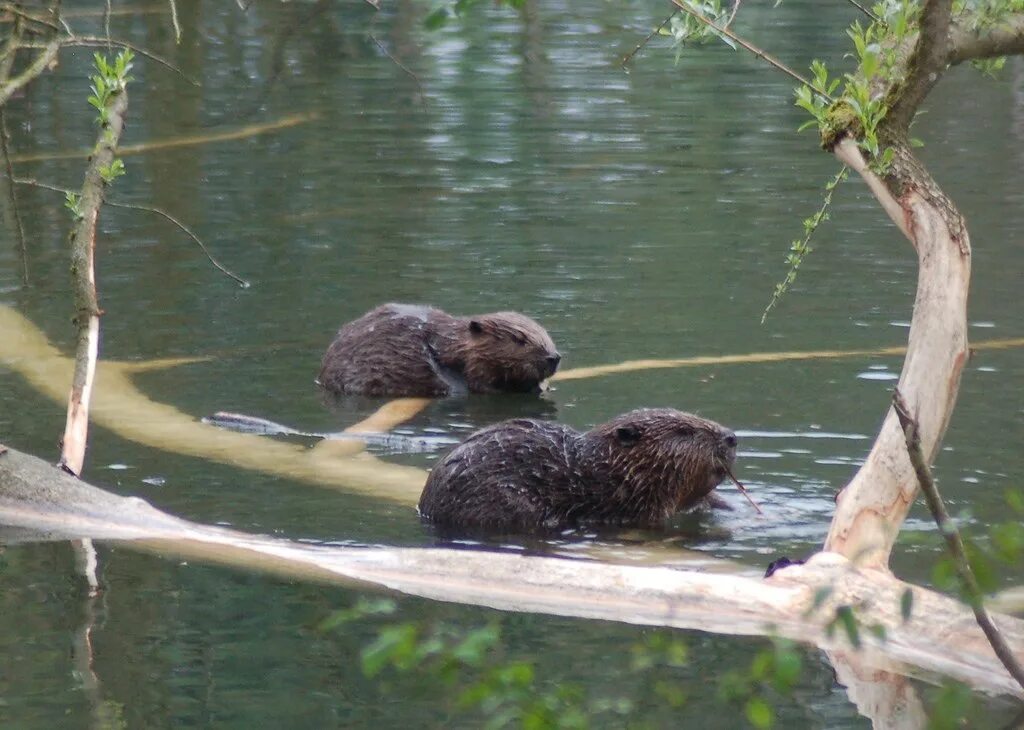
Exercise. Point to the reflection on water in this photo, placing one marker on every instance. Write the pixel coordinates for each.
(637, 216)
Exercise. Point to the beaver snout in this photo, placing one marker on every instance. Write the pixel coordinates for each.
(552, 363)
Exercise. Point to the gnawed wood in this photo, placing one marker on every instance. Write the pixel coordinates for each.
(871, 509)
(939, 637)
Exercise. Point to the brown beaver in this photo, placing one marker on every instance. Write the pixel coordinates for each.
(637, 469)
(408, 350)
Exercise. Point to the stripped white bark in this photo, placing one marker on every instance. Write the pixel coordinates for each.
(871, 509)
(940, 636)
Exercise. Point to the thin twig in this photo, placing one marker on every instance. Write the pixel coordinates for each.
(15, 208)
(743, 491)
(639, 46)
(174, 21)
(185, 229)
(106, 23)
(867, 12)
(92, 41)
(398, 63)
(732, 15)
(954, 542)
(19, 13)
(149, 209)
(33, 70)
(10, 51)
(752, 48)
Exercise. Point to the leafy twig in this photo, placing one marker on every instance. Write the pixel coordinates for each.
(801, 247)
(110, 98)
(681, 4)
(954, 542)
(867, 12)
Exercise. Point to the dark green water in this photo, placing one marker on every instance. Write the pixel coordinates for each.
(635, 215)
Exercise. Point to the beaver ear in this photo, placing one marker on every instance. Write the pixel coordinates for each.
(627, 435)
(475, 327)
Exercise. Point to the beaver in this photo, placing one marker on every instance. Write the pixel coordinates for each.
(636, 470)
(416, 350)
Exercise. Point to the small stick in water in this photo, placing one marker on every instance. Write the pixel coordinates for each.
(743, 491)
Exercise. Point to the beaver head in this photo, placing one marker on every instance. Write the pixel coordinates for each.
(506, 351)
(660, 460)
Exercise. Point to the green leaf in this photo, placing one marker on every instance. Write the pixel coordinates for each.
(437, 18)
(391, 646)
(759, 713)
(788, 666)
(846, 619)
(474, 648)
(907, 604)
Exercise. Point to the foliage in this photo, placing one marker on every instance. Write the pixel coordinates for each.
(110, 79)
(1001, 545)
(449, 9)
(471, 665)
(773, 671)
(685, 29)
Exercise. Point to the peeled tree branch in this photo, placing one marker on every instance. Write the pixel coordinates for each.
(110, 98)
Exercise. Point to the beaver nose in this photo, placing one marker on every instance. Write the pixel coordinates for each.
(729, 439)
(553, 361)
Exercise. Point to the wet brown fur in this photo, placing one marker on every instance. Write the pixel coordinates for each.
(638, 469)
(414, 350)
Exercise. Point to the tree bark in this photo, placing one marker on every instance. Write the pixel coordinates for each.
(83, 275)
(871, 509)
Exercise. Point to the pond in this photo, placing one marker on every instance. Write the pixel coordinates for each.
(506, 161)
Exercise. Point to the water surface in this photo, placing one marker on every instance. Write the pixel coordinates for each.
(637, 215)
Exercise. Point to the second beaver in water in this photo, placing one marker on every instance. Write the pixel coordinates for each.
(410, 350)
(638, 469)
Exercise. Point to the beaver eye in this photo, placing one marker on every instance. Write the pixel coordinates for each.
(519, 340)
(685, 431)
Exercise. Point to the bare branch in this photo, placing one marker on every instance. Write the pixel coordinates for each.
(149, 209)
(925, 65)
(34, 69)
(398, 63)
(93, 42)
(11, 50)
(174, 21)
(167, 216)
(681, 4)
(954, 542)
(1006, 38)
(639, 46)
(867, 12)
(19, 226)
(17, 12)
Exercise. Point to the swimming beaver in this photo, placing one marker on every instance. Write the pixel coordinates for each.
(407, 350)
(637, 469)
